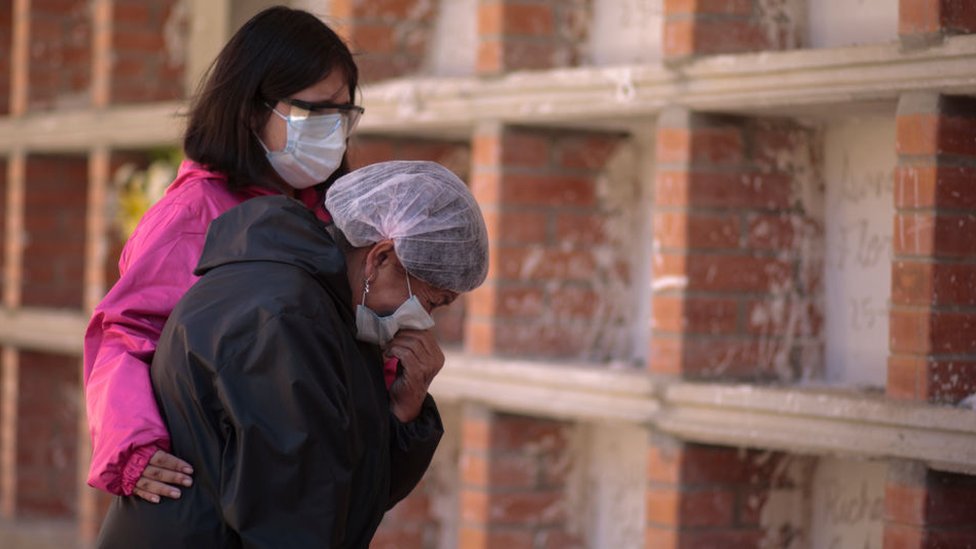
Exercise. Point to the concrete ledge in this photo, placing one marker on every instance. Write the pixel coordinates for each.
(46, 330)
(623, 97)
(817, 421)
(798, 419)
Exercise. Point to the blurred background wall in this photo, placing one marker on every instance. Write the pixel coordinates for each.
(733, 281)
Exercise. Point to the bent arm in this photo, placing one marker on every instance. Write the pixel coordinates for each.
(125, 425)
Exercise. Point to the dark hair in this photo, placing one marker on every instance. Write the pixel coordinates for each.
(278, 52)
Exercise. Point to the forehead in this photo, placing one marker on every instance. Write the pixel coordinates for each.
(332, 88)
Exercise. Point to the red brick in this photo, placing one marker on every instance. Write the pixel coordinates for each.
(498, 471)
(959, 16)
(938, 235)
(496, 56)
(560, 539)
(924, 283)
(569, 302)
(583, 230)
(401, 537)
(505, 301)
(47, 432)
(525, 150)
(723, 190)
(705, 146)
(538, 264)
(547, 190)
(707, 7)
(776, 232)
(394, 10)
(473, 537)
(508, 19)
(517, 227)
(924, 332)
(919, 16)
(534, 508)
(726, 273)
(931, 134)
(679, 39)
(722, 538)
(935, 186)
(909, 331)
(902, 380)
(708, 358)
(904, 504)
(729, 36)
(131, 14)
(587, 151)
(663, 507)
(679, 230)
(375, 38)
(365, 150)
(511, 433)
(490, 57)
(947, 381)
(694, 315)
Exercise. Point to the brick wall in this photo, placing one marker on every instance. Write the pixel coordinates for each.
(54, 222)
(927, 21)
(530, 34)
(736, 236)
(704, 27)
(388, 37)
(928, 509)
(711, 496)
(48, 404)
(6, 47)
(561, 223)
(3, 221)
(513, 483)
(149, 49)
(932, 318)
(60, 54)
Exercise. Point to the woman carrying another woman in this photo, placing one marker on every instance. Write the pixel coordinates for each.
(269, 372)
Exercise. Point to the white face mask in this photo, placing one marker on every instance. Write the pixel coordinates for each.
(313, 150)
(372, 328)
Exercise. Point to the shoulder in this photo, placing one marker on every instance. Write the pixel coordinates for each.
(185, 209)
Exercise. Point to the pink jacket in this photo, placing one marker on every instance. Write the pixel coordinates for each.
(156, 269)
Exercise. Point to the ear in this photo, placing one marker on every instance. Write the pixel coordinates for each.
(380, 257)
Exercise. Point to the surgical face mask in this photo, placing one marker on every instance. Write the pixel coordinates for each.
(372, 328)
(313, 150)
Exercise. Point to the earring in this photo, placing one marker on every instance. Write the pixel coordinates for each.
(365, 286)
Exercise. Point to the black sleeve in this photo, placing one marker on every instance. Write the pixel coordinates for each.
(286, 469)
(412, 447)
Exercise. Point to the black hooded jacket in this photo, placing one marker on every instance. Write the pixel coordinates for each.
(266, 392)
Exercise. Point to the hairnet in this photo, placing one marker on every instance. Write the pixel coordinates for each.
(435, 224)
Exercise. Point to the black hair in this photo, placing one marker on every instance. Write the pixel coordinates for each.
(278, 52)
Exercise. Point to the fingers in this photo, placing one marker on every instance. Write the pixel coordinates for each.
(151, 490)
(166, 476)
(160, 478)
(166, 460)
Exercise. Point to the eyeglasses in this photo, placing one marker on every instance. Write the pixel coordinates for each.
(303, 109)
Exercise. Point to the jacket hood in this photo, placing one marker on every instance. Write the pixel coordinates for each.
(278, 229)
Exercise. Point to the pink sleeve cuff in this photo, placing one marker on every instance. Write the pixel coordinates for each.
(135, 466)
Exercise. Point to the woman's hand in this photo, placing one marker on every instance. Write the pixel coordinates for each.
(164, 472)
(420, 358)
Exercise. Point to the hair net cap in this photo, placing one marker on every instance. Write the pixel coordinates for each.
(436, 226)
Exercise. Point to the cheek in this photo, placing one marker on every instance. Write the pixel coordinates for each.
(274, 134)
